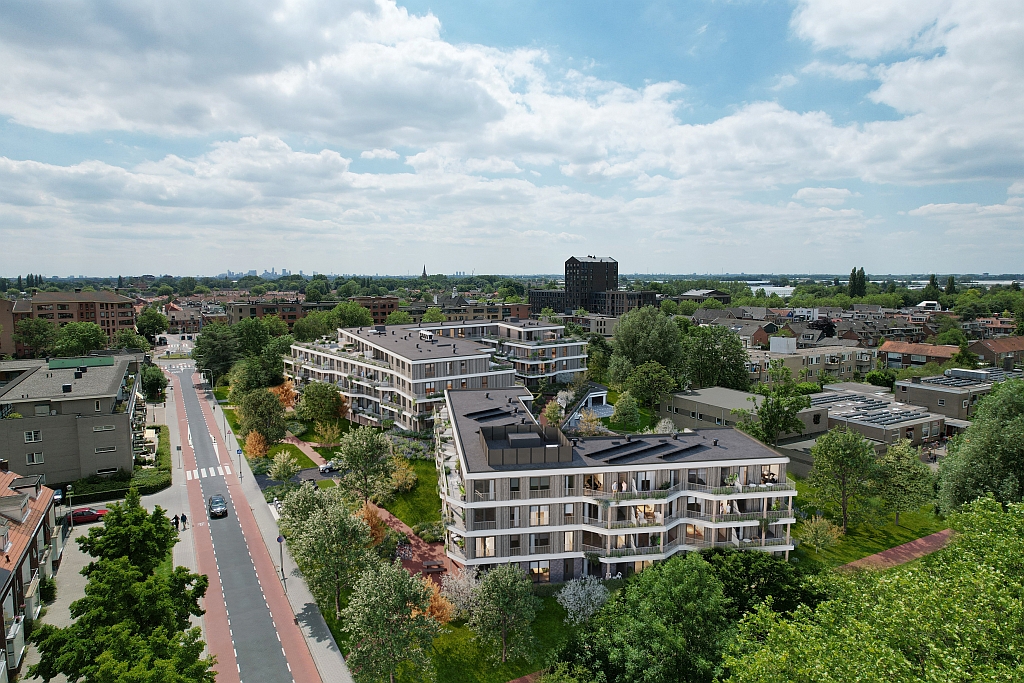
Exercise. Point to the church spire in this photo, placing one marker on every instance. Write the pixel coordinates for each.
(424, 276)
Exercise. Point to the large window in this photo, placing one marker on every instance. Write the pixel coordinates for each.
(513, 488)
(540, 572)
(34, 459)
(540, 543)
(33, 436)
(539, 484)
(569, 542)
(485, 546)
(539, 515)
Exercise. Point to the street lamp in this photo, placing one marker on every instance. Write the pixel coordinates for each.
(67, 490)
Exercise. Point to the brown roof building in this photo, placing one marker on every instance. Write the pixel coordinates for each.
(1000, 352)
(109, 310)
(899, 355)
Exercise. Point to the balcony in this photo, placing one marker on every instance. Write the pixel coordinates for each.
(484, 526)
(540, 549)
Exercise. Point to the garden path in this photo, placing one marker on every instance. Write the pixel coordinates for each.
(305, 447)
(904, 553)
(421, 550)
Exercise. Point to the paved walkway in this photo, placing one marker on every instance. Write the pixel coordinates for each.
(306, 448)
(421, 550)
(902, 554)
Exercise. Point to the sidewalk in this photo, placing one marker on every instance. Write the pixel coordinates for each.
(328, 658)
(306, 448)
(902, 554)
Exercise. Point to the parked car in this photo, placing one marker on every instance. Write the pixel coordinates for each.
(86, 515)
(58, 496)
(218, 506)
(328, 467)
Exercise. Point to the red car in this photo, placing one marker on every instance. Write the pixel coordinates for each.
(86, 515)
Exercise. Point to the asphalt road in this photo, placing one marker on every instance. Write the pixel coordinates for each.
(258, 648)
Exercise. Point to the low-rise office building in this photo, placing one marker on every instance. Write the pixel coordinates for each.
(33, 540)
(79, 416)
(513, 491)
(954, 394)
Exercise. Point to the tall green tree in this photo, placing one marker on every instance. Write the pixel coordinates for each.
(36, 334)
(351, 314)
(130, 531)
(275, 326)
(331, 545)
(503, 611)
(261, 412)
(315, 325)
(365, 458)
(903, 482)
(398, 318)
(852, 286)
(78, 339)
(387, 621)
(950, 286)
(252, 336)
(216, 350)
(844, 467)
(714, 356)
(668, 624)
(648, 382)
(988, 457)
(129, 339)
(320, 402)
(151, 322)
(433, 315)
(646, 334)
(777, 405)
(153, 382)
(964, 358)
(627, 410)
(749, 579)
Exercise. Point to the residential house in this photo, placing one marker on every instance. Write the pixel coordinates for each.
(702, 295)
(1007, 352)
(379, 306)
(900, 355)
(110, 310)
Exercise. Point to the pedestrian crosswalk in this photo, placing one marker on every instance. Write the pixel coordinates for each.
(206, 472)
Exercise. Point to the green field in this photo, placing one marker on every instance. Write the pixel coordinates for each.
(422, 504)
(310, 433)
(301, 458)
(865, 538)
(221, 393)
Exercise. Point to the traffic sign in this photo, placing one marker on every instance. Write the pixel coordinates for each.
(238, 451)
(280, 539)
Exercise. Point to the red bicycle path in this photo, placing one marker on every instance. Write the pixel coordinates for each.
(218, 633)
(904, 553)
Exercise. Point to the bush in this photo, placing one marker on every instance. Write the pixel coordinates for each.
(430, 532)
(279, 492)
(808, 388)
(881, 378)
(47, 589)
(260, 465)
(296, 428)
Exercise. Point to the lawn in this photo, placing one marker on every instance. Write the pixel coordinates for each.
(422, 504)
(647, 418)
(301, 458)
(232, 418)
(326, 453)
(325, 483)
(310, 433)
(221, 393)
(165, 568)
(867, 538)
(458, 658)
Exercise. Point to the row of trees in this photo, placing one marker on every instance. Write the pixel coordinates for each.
(42, 338)
(132, 624)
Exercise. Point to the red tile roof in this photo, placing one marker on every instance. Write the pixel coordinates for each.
(933, 350)
(22, 533)
(1002, 345)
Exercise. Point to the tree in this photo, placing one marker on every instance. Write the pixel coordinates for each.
(151, 322)
(262, 412)
(365, 459)
(582, 598)
(186, 285)
(320, 402)
(388, 623)
(36, 334)
(315, 291)
(459, 588)
(398, 318)
(988, 457)
(590, 424)
(648, 382)
(129, 339)
(503, 610)
(776, 409)
(256, 445)
(714, 356)
(315, 325)
(252, 336)
(251, 373)
(553, 413)
(433, 315)
(667, 624)
(284, 467)
(819, 533)
(950, 286)
(78, 339)
(852, 286)
(627, 411)
(275, 326)
(646, 334)
(351, 314)
(130, 531)
(751, 578)
(285, 393)
(331, 546)
(964, 358)
(599, 353)
(153, 382)
(862, 284)
(216, 350)
(619, 369)
(844, 465)
(328, 432)
(903, 482)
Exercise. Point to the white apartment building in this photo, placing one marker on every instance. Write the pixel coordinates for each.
(536, 349)
(513, 491)
(396, 372)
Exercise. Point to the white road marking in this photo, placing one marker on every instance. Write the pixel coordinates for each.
(188, 475)
(227, 470)
(220, 471)
(195, 474)
(202, 471)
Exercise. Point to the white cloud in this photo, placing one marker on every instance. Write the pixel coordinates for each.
(850, 71)
(869, 28)
(823, 196)
(379, 154)
(785, 81)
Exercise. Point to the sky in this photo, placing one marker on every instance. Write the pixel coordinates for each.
(369, 136)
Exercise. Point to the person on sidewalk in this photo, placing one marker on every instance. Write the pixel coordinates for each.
(175, 521)
(184, 521)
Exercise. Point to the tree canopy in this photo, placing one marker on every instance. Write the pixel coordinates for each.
(775, 412)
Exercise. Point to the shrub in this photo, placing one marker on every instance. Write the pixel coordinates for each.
(582, 598)
(47, 589)
(296, 428)
(255, 445)
(430, 532)
(403, 479)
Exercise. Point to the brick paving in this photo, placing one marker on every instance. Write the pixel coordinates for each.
(421, 550)
(904, 553)
(306, 447)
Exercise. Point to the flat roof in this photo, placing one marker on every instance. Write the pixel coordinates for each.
(41, 382)
(471, 409)
(721, 397)
(522, 324)
(405, 341)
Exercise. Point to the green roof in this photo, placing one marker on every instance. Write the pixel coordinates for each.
(89, 362)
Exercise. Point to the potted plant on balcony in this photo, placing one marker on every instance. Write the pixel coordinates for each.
(731, 479)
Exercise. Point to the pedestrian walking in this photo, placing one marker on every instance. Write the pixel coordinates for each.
(184, 521)
(175, 521)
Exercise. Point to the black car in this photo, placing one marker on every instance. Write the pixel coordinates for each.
(218, 506)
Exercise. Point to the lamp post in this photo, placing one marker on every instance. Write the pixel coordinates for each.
(67, 490)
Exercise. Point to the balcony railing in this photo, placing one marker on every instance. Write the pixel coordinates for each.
(540, 549)
(484, 526)
(688, 486)
(482, 496)
(515, 551)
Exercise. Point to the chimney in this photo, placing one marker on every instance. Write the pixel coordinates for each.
(78, 375)
(4, 466)
(715, 442)
(66, 388)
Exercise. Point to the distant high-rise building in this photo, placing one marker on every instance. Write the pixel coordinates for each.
(591, 283)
